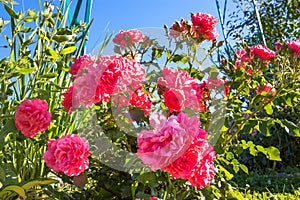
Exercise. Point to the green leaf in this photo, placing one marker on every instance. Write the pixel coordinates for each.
(244, 168)
(147, 178)
(37, 182)
(68, 50)
(52, 54)
(274, 153)
(50, 75)
(13, 188)
(268, 108)
(62, 38)
(10, 11)
(288, 101)
(264, 128)
(234, 194)
(291, 128)
(8, 128)
(261, 149)
(25, 70)
(227, 174)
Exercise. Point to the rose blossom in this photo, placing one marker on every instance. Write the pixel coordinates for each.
(180, 90)
(169, 140)
(205, 25)
(84, 61)
(196, 164)
(141, 100)
(295, 46)
(85, 87)
(183, 166)
(110, 75)
(203, 173)
(68, 154)
(119, 74)
(174, 99)
(262, 52)
(32, 117)
(123, 38)
(242, 58)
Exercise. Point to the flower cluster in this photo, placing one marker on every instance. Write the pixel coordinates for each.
(178, 146)
(32, 117)
(201, 27)
(180, 91)
(68, 154)
(99, 80)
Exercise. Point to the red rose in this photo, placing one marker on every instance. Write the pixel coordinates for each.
(173, 99)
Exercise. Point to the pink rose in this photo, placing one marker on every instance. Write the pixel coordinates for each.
(169, 140)
(84, 91)
(226, 90)
(196, 164)
(141, 100)
(262, 52)
(67, 101)
(185, 164)
(180, 90)
(110, 75)
(84, 61)
(242, 56)
(173, 99)
(153, 198)
(203, 173)
(119, 74)
(68, 154)
(32, 117)
(125, 38)
(295, 46)
(205, 25)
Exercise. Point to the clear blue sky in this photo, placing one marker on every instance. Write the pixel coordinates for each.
(112, 16)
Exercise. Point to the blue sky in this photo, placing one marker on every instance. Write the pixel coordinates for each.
(112, 16)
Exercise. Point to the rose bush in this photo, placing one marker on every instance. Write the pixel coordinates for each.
(144, 123)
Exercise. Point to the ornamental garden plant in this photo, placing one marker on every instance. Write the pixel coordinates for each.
(149, 121)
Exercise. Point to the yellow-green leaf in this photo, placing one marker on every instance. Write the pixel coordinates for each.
(52, 54)
(268, 108)
(13, 188)
(35, 183)
(24, 70)
(68, 50)
(274, 153)
(62, 38)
